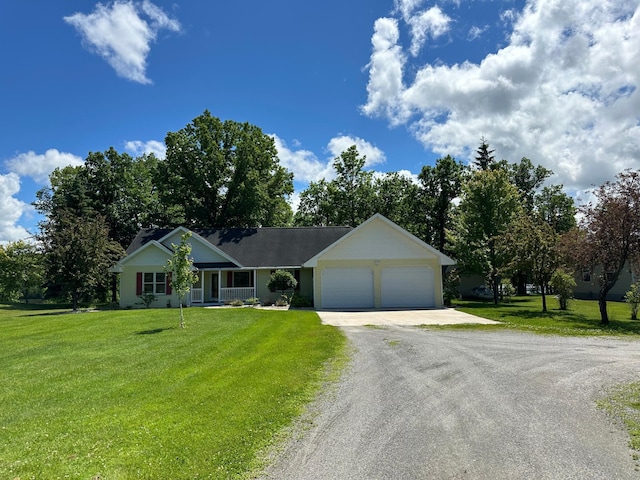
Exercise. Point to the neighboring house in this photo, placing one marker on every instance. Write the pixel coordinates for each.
(587, 285)
(375, 265)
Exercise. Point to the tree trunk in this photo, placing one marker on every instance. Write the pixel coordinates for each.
(602, 303)
(544, 298)
(181, 315)
(74, 299)
(114, 287)
(522, 283)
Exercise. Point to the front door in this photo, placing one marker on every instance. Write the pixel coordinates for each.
(214, 287)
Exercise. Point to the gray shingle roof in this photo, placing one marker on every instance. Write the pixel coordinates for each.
(259, 247)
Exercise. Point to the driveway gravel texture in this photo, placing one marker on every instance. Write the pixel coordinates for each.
(420, 403)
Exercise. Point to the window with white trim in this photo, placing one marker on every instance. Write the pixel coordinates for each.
(242, 279)
(154, 283)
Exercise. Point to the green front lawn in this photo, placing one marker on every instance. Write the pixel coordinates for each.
(129, 395)
(525, 313)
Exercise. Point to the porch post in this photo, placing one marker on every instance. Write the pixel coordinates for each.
(220, 286)
(255, 283)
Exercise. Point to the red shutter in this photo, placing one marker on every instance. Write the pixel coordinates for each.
(229, 279)
(139, 283)
(168, 283)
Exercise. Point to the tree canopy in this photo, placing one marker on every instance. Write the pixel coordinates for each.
(223, 174)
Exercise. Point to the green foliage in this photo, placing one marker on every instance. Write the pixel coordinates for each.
(147, 299)
(223, 174)
(282, 301)
(439, 186)
(122, 407)
(300, 301)
(507, 291)
(632, 297)
(180, 265)
(21, 271)
(282, 280)
(78, 254)
(563, 283)
(346, 200)
(489, 204)
(450, 284)
(534, 248)
(252, 301)
(235, 303)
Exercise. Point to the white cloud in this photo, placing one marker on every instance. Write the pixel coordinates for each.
(11, 209)
(431, 22)
(307, 167)
(137, 148)
(122, 33)
(564, 91)
(40, 166)
(374, 155)
(304, 164)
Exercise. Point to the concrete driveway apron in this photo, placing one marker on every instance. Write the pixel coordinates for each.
(441, 316)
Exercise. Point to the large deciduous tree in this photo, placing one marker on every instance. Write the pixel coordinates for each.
(488, 205)
(439, 186)
(533, 245)
(349, 199)
(78, 254)
(223, 174)
(611, 233)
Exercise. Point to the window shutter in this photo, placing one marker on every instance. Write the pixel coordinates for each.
(168, 283)
(272, 290)
(139, 283)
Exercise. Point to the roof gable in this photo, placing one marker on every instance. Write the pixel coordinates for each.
(378, 237)
(202, 251)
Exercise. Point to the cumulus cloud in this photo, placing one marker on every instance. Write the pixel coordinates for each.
(374, 155)
(122, 33)
(307, 167)
(40, 166)
(137, 148)
(11, 209)
(432, 22)
(563, 90)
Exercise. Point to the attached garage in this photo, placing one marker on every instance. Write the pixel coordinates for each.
(407, 287)
(378, 265)
(347, 288)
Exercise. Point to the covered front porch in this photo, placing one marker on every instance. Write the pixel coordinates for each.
(217, 286)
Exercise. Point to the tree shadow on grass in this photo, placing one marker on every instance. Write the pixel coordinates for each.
(154, 331)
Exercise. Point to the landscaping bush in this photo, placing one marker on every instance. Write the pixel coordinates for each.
(632, 297)
(563, 284)
(300, 301)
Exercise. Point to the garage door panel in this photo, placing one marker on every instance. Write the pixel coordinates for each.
(347, 288)
(407, 287)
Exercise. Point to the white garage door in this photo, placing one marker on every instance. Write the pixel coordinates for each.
(407, 287)
(347, 288)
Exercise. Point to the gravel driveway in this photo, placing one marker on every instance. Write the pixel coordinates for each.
(436, 404)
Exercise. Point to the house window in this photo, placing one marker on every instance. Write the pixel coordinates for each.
(154, 283)
(586, 275)
(242, 279)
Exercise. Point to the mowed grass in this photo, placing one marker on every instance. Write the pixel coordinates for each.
(129, 395)
(525, 313)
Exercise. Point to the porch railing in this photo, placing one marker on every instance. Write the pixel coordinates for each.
(237, 293)
(196, 295)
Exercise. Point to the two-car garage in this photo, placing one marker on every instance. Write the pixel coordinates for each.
(378, 265)
(399, 287)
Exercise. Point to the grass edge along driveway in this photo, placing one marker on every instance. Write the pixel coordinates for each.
(127, 394)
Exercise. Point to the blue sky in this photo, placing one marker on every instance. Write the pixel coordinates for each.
(407, 81)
